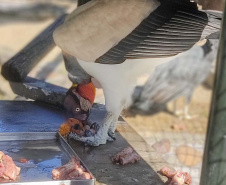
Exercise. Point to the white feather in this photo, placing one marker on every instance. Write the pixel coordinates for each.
(118, 81)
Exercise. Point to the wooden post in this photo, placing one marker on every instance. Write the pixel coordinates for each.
(214, 161)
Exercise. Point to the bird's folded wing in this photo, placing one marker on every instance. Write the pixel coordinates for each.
(82, 2)
(171, 29)
(97, 26)
(109, 32)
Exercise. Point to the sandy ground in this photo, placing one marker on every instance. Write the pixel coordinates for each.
(180, 132)
(165, 122)
(16, 34)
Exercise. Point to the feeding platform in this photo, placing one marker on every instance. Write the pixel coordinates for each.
(45, 115)
(29, 119)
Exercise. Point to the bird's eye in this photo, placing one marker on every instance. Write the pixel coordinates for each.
(77, 109)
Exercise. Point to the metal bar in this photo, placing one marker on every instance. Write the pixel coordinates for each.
(214, 161)
(27, 136)
(39, 90)
(17, 68)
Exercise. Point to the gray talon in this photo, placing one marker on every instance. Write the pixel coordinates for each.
(95, 126)
(112, 135)
(88, 133)
(91, 141)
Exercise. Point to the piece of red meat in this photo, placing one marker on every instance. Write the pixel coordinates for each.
(125, 151)
(83, 176)
(168, 172)
(2, 169)
(129, 158)
(8, 169)
(62, 172)
(126, 156)
(178, 177)
(188, 178)
(72, 175)
(77, 171)
(72, 170)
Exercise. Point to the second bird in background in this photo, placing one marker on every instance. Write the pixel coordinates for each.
(175, 79)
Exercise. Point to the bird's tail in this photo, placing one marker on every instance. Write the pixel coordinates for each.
(212, 30)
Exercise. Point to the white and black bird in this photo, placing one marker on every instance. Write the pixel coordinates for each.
(116, 42)
(174, 79)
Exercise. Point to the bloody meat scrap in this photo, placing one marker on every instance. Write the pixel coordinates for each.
(126, 156)
(168, 172)
(178, 177)
(23, 160)
(68, 126)
(73, 170)
(78, 127)
(8, 169)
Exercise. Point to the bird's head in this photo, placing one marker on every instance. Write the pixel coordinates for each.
(79, 100)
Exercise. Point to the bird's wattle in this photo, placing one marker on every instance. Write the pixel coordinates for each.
(87, 91)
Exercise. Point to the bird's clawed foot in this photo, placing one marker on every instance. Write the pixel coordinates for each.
(111, 135)
(178, 112)
(184, 115)
(94, 136)
(94, 140)
(102, 134)
(188, 117)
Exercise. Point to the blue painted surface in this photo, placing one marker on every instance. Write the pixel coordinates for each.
(27, 116)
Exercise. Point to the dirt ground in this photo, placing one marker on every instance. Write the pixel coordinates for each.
(167, 122)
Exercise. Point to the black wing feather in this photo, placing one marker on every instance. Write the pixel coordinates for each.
(82, 2)
(174, 27)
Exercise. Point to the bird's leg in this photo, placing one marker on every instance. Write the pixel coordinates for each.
(113, 124)
(101, 137)
(186, 111)
(175, 110)
(112, 128)
(184, 114)
(186, 108)
(175, 106)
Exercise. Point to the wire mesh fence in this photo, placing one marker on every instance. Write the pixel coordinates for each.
(183, 140)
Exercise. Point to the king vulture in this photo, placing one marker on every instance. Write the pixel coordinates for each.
(117, 42)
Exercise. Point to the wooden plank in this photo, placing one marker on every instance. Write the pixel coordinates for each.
(39, 90)
(98, 159)
(17, 68)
